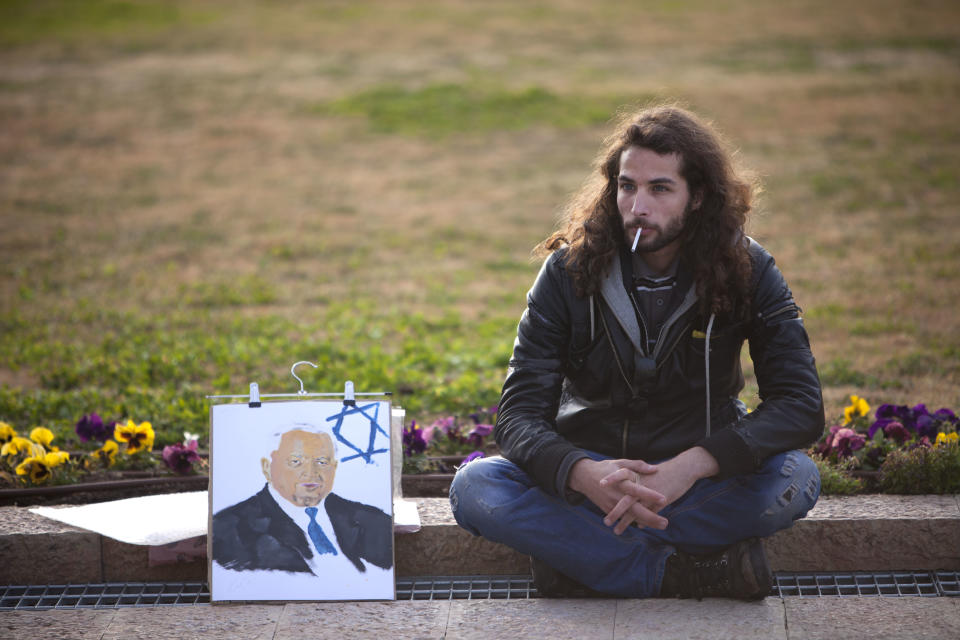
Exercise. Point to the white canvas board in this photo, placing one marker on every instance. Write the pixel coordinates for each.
(260, 542)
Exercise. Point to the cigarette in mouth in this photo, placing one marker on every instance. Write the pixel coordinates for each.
(636, 239)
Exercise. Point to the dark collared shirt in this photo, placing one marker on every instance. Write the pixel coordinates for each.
(654, 296)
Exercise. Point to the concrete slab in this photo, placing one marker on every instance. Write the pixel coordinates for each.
(554, 619)
(893, 532)
(229, 622)
(434, 511)
(708, 619)
(124, 562)
(888, 544)
(50, 558)
(345, 620)
(872, 618)
(38, 550)
(886, 507)
(64, 624)
(440, 550)
(887, 529)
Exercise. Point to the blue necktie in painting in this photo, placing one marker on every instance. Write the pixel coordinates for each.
(320, 541)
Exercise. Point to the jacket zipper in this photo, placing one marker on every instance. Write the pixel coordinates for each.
(644, 334)
(623, 374)
(673, 345)
(773, 314)
(616, 356)
(659, 353)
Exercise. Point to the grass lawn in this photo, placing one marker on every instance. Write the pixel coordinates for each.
(195, 195)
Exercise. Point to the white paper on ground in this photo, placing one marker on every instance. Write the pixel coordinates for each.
(148, 520)
(155, 520)
(406, 519)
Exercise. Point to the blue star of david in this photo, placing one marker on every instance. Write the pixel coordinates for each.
(367, 453)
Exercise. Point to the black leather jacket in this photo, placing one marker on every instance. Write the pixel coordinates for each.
(579, 378)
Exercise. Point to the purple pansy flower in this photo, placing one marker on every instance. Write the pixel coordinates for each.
(446, 425)
(91, 427)
(886, 411)
(846, 441)
(478, 433)
(896, 431)
(449, 427)
(945, 415)
(925, 423)
(473, 456)
(414, 440)
(911, 419)
(179, 457)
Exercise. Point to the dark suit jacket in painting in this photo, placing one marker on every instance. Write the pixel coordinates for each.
(257, 534)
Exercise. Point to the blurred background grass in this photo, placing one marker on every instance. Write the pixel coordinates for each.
(194, 195)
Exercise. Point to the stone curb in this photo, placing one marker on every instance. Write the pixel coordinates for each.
(857, 533)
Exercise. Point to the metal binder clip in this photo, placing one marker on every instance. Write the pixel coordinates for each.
(254, 395)
(349, 399)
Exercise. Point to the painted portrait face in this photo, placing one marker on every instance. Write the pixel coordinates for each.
(302, 468)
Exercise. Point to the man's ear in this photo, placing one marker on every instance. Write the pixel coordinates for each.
(265, 466)
(696, 201)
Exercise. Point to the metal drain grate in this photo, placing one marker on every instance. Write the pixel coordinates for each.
(891, 584)
(103, 595)
(520, 587)
(466, 588)
(949, 582)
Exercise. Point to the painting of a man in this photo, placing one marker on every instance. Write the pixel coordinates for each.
(296, 523)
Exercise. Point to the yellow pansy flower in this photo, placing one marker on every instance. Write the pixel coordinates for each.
(858, 407)
(17, 445)
(55, 458)
(946, 438)
(138, 437)
(7, 433)
(107, 453)
(36, 468)
(42, 435)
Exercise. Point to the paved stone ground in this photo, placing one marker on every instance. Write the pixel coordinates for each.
(872, 618)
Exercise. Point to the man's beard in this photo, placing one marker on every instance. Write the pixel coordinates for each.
(664, 235)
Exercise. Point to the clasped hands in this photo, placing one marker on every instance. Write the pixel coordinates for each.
(634, 491)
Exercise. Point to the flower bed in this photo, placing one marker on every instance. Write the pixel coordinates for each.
(900, 450)
(448, 442)
(903, 449)
(35, 461)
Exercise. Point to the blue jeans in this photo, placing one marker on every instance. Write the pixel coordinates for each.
(494, 498)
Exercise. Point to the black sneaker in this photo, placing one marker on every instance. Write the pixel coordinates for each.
(741, 571)
(550, 583)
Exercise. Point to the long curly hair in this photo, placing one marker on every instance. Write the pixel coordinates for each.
(713, 242)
